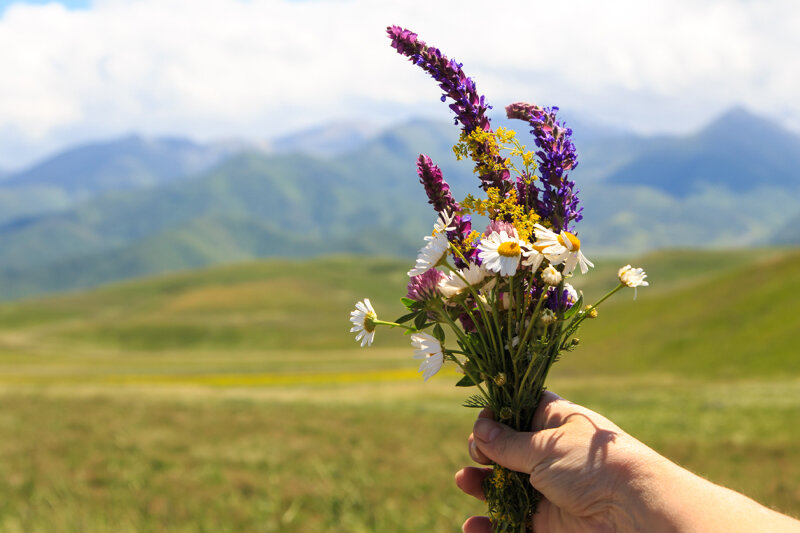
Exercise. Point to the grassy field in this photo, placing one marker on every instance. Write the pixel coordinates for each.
(234, 399)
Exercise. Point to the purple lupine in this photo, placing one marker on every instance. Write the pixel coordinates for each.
(438, 191)
(557, 201)
(470, 107)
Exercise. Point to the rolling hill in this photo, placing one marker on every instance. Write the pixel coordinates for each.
(707, 314)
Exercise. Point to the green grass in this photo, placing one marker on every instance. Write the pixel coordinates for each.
(234, 399)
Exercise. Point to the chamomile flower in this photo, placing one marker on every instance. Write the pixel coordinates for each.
(551, 276)
(454, 284)
(435, 247)
(561, 248)
(632, 277)
(532, 258)
(427, 348)
(363, 319)
(501, 253)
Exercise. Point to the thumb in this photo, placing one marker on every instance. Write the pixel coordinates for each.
(515, 450)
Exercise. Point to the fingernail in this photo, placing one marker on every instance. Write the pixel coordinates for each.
(486, 430)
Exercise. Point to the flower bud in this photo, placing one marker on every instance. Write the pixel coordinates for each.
(500, 379)
(547, 317)
(591, 311)
(576, 341)
(551, 276)
(506, 413)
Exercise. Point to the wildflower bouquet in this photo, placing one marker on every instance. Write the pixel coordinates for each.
(503, 294)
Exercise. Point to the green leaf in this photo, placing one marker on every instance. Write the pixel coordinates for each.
(419, 321)
(408, 303)
(574, 309)
(406, 318)
(477, 401)
(466, 381)
(438, 332)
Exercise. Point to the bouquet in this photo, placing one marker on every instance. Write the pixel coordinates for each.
(497, 304)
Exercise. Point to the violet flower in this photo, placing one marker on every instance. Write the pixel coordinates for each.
(436, 188)
(557, 200)
(470, 107)
(438, 191)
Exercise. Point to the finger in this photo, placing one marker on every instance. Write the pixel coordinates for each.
(486, 413)
(476, 454)
(470, 480)
(477, 524)
(519, 451)
(551, 411)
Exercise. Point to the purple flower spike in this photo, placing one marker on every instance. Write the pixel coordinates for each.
(439, 197)
(470, 107)
(437, 189)
(557, 200)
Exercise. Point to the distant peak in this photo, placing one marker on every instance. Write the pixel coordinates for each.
(740, 118)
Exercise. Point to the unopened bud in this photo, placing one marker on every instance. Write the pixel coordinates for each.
(500, 379)
(547, 317)
(576, 341)
(551, 276)
(591, 311)
(506, 413)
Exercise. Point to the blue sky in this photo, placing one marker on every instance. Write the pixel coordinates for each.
(257, 69)
(69, 4)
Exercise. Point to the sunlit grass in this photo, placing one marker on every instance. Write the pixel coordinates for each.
(234, 399)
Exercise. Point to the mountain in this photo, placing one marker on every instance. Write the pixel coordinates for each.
(121, 164)
(327, 140)
(739, 151)
(369, 200)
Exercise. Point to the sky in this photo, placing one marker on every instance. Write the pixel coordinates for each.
(77, 71)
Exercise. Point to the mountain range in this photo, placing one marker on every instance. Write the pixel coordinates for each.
(136, 206)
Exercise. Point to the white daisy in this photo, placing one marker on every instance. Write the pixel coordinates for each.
(533, 258)
(435, 247)
(561, 248)
(551, 276)
(501, 253)
(363, 322)
(454, 285)
(429, 350)
(632, 277)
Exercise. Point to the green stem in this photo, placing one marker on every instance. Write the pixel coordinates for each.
(473, 378)
(392, 324)
(475, 296)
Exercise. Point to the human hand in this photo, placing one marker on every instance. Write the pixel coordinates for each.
(587, 469)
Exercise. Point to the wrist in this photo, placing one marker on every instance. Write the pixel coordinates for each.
(667, 498)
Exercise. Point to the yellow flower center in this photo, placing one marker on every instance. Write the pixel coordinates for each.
(575, 244)
(369, 323)
(509, 249)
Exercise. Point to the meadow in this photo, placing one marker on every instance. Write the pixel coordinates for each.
(234, 399)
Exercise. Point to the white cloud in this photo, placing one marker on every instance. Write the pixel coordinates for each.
(217, 68)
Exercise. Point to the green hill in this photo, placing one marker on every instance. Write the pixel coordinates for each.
(706, 314)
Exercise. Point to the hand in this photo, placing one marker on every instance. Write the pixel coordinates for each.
(586, 468)
(594, 477)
